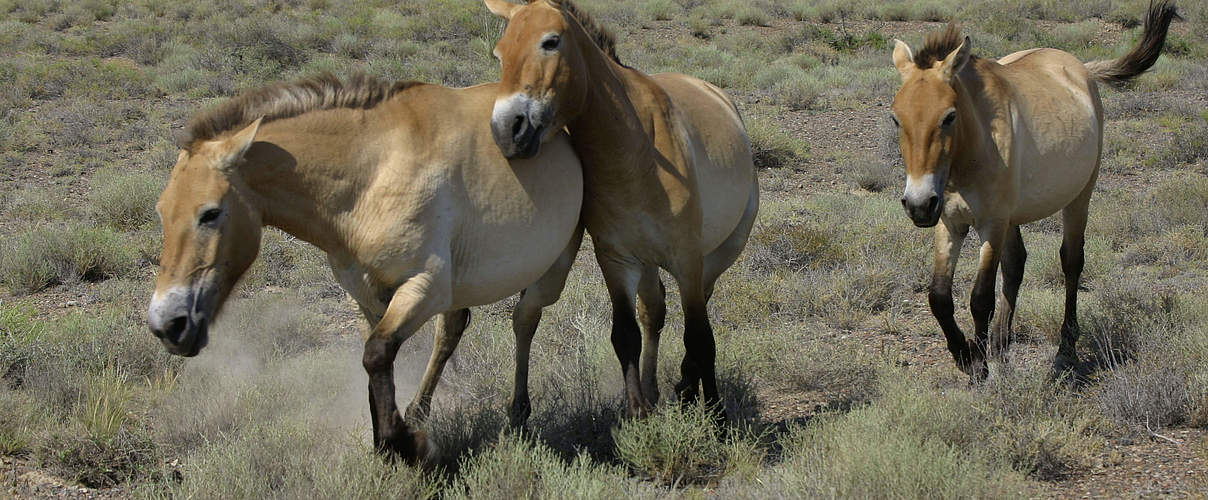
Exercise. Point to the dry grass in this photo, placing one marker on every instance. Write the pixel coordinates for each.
(824, 301)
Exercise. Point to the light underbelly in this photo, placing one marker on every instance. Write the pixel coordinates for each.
(1049, 183)
(495, 264)
(516, 227)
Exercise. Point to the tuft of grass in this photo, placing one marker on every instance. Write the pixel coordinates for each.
(771, 146)
(517, 466)
(291, 458)
(125, 201)
(64, 253)
(682, 445)
(872, 175)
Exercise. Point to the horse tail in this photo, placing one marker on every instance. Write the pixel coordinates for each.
(1117, 72)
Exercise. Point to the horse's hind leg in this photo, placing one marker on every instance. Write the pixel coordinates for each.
(1073, 219)
(525, 318)
(449, 329)
(697, 369)
(652, 311)
(1014, 256)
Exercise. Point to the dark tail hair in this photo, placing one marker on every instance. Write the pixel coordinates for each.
(1117, 72)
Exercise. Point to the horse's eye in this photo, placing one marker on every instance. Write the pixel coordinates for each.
(949, 119)
(209, 217)
(551, 43)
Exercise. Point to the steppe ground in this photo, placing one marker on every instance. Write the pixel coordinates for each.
(835, 377)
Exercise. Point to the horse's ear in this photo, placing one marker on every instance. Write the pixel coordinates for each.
(501, 8)
(956, 60)
(903, 58)
(237, 145)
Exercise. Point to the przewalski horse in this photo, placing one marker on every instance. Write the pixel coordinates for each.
(404, 189)
(668, 177)
(995, 144)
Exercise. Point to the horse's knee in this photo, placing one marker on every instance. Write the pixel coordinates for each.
(379, 355)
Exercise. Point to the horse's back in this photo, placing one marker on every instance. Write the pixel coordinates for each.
(1057, 131)
(721, 153)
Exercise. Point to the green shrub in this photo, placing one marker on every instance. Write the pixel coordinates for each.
(125, 201)
(517, 467)
(64, 253)
(771, 146)
(683, 445)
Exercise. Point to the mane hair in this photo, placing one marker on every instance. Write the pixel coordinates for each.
(603, 37)
(286, 100)
(938, 45)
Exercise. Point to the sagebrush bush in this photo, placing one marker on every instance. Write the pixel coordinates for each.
(771, 146)
(125, 201)
(517, 467)
(64, 253)
(683, 445)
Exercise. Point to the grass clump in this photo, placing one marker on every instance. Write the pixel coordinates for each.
(517, 466)
(125, 201)
(683, 445)
(64, 253)
(771, 146)
(294, 459)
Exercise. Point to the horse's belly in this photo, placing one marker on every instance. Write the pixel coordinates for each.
(1051, 184)
(517, 226)
(504, 266)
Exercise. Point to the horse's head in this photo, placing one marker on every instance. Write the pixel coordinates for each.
(543, 74)
(211, 237)
(925, 113)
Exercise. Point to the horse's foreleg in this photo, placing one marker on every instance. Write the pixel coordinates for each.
(652, 310)
(1072, 259)
(525, 318)
(621, 276)
(411, 305)
(981, 301)
(448, 333)
(1014, 256)
(948, 240)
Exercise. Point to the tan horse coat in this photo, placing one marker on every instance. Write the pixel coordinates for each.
(406, 192)
(668, 176)
(995, 144)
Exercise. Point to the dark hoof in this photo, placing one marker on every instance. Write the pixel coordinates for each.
(518, 414)
(689, 392)
(410, 446)
(972, 361)
(1067, 370)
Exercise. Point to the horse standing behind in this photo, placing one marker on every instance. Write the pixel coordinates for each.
(403, 188)
(668, 177)
(995, 144)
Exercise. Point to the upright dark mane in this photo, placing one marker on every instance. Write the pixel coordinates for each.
(289, 99)
(604, 38)
(938, 45)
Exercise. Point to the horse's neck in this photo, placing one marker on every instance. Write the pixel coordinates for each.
(973, 139)
(304, 193)
(609, 134)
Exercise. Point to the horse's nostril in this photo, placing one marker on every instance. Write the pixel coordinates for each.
(517, 125)
(932, 202)
(173, 329)
(903, 200)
